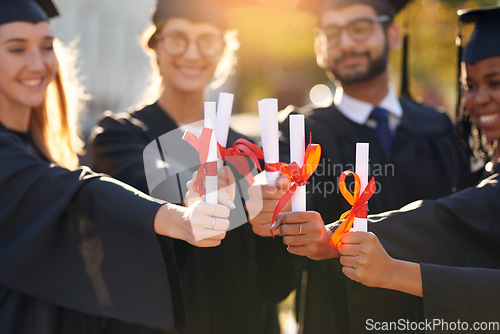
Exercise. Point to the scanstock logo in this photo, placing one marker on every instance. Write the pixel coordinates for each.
(170, 162)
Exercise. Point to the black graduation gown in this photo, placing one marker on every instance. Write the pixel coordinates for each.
(456, 240)
(221, 283)
(78, 251)
(423, 163)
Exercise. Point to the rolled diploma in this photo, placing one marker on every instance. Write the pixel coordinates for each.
(224, 109)
(362, 153)
(211, 182)
(268, 116)
(297, 150)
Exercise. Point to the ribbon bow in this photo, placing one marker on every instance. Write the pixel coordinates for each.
(202, 145)
(298, 175)
(235, 154)
(359, 206)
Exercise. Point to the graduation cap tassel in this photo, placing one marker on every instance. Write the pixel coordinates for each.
(405, 81)
(405, 78)
(458, 42)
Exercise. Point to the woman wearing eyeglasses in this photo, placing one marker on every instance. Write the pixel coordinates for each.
(190, 48)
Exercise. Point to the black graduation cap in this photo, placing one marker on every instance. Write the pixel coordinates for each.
(383, 7)
(485, 39)
(26, 10)
(212, 11)
(483, 43)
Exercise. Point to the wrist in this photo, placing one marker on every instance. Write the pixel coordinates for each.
(332, 252)
(169, 221)
(328, 252)
(405, 277)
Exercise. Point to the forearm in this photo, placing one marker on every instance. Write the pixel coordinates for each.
(170, 221)
(406, 277)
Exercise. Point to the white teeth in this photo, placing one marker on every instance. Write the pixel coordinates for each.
(32, 83)
(488, 118)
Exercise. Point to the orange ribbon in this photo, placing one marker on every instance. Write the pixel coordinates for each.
(298, 175)
(359, 206)
(236, 153)
(273, 167)
(202, 145)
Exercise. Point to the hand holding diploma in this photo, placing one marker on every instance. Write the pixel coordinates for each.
(225, 180)
(305, 234)
(364, 260)
(262, 203)
(201, 224)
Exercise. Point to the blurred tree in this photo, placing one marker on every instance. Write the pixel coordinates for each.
(276, 58)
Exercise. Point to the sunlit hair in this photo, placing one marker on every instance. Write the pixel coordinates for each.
(223, 71)
(53, 125)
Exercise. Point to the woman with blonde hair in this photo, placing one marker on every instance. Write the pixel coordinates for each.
(78, 251)
(191, 48)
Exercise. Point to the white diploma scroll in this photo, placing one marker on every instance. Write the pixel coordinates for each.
(211, 182)
(224, 109)
(297, 151)
(362, 154)
(268, 116)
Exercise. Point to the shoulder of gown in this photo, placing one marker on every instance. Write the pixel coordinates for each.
(71, 239)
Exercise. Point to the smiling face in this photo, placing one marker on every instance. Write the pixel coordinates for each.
(189, 71)
(27, 64)
(483, 95)
(353, 61)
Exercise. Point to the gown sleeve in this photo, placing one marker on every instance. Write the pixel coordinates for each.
(456, 240)
(117, 148)
(80, 240)
(453, 293)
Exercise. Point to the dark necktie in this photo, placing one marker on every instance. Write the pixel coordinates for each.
(382, 130)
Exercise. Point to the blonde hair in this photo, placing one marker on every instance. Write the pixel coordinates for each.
(224, 68)
(53, 125)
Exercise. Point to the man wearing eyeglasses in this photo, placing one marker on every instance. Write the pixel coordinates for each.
(413, 156)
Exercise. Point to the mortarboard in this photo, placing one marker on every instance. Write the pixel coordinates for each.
(26, 10)
(483, 43)
(212, 11)
(485, 39)
(382, 7)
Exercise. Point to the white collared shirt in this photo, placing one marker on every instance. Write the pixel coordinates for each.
(359, 111)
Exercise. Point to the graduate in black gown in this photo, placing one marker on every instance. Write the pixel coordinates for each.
(444, 251)
(188, 42)
(413, 151)
(79, 251)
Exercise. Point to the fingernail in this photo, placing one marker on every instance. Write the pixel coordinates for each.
(274, 224)
(231, 204)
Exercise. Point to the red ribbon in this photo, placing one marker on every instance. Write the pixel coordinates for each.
(202, 145)
(298, 175)
(274, 167)
(359, 206)
(235, 156)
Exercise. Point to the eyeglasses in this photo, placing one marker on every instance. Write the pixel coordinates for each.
(358, 30)
(176, 43)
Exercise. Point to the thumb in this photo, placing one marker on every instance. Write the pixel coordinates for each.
(283, 183)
